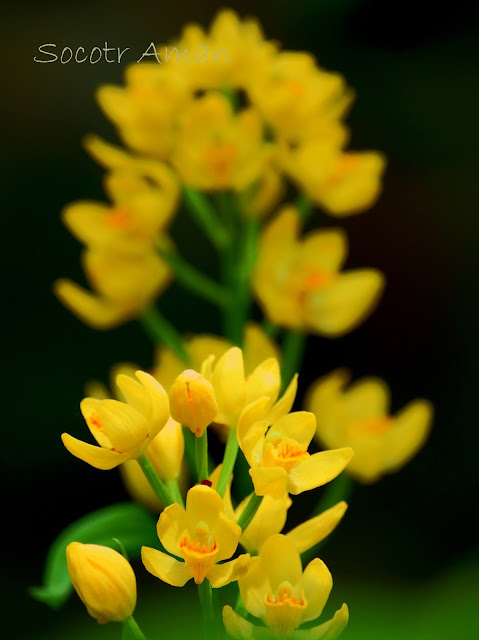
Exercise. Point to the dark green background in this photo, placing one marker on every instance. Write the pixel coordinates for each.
(405, 559)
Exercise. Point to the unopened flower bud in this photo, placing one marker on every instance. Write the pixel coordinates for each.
(103, 579)
(193, 402)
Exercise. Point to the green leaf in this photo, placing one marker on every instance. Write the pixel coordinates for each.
(127, 520)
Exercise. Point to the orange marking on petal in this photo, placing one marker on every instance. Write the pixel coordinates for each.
(117, 218)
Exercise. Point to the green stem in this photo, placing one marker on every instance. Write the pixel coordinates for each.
(174, 490)
(229, 459)
(201, 450)
(203, 213)
(155, 483)
(162, 331)
(339, 489)
(131, 630)
(249, 511)
(194, 280)
(304, 206)
(271, 330)
(294, 344)
(207, 609)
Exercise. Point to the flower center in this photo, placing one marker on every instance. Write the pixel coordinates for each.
(284, 452)
(198, 550)
(284, 609)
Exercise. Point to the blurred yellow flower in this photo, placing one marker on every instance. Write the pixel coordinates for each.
(257, 347)
(131, 224)
(226, 57)
(122, 430)
(217, 148)
(125, 285)
(359, 417)
(193, 402)
(278, 592)
(165, 453)
(103, 579)
(292, 93)
(202, 536)
(145, 111)
(299, 284)
(275, 444)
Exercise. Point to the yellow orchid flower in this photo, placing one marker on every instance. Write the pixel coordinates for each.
(275, 444)
(292, 93)
(359, 417)
(277, 591)
(125, 285)
(103, 579)
(146, 110)
(217, 148)
(193, 402)
(165, 453)
(257, 346)
(235, 392)
(122, 430)
(270, 519)
(202, 536)
(225, 57)
(299, 284)
(131, 224)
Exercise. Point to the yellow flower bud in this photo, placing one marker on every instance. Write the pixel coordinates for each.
(104, 580)
(193, 401)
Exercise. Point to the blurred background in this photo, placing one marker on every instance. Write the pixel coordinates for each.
(405, 558)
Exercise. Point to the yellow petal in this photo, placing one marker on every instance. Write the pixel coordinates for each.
(134, 393)
(281, 561)
(409, 431)
(335, 309)
(269, 481)
(89, 409)
(227, 534)
(222, 574)
(200, 347)
(204, 504)
(96, 312)
(309, 533)
(165, 567)
(96, 456)
(318, 469)
(317, 584)
(265, 381)
(251, 428)
(171, 524)
(329, 630)
(325, 250)
(367, 398)
(285, 403)
(236, 626)
(159, 412)
(229, 383)
(126, 427)
(166, 451)
(268, 520)
(253, 586)
(299, 426)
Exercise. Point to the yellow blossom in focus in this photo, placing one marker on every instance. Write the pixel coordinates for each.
(270, 519)
(202, 536)
(103, 579)
(124, 286)
(217, 148)
(122, 430)
(257, 346)
(359, 417)
(278, 592)
(299, 283)
(146, 110)
(193, 402)
(225, 57)
(235, 391)
(165, 453)
(275, 444)
(131, 224)
(292, 93)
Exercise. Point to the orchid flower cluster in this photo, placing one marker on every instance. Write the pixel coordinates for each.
(247, 139)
